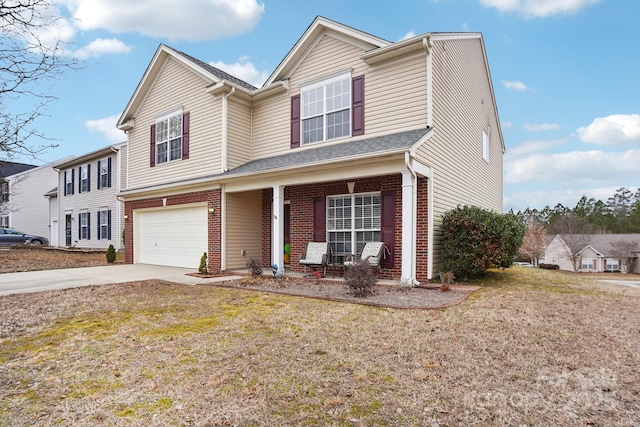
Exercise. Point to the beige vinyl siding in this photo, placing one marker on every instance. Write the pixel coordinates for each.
(92, 201)
(272, 118)
(243, 228)
(396, 95)
(462, 109)
(29, 209)
(177, 87)
(238, 134)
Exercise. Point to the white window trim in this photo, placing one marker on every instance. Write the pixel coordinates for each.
(84, 225)
(353, 230)
(104, 163)
(607, 263)
(68, 180)
(104, 222)
(84, 178)
(166, 117)
(345, 75)
(585, 265)
(485, 146)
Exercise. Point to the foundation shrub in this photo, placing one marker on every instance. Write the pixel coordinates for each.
(111, 254)
(360, 279)
(255, 267)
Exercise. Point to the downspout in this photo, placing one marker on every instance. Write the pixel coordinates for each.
(414, 207)
(225, 123)
(223, 228)
(119, 206)
(427, 44)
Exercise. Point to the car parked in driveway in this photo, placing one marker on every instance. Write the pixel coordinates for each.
(9, 237)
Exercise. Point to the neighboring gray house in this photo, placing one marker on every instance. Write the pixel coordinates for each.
(594, 252)
(21, 203)
(85, 212)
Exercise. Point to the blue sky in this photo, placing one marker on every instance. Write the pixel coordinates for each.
(565, 73)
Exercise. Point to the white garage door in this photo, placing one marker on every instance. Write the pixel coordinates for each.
(175, 237)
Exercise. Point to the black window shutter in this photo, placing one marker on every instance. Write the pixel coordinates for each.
(152, 147)
(65, 182)
(88, 226)
(109, 172)
(387, 226)
(98, 227)
(357, 107)
(109, 224)
(79, 226)
(73, 180)
(295, 121)
(185, 136)
(80, 179)
(89, 177)
(99, 171)
(319, 220)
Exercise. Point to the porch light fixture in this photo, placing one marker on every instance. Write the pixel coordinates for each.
(212, 210)
(351, 185)
(126, 217)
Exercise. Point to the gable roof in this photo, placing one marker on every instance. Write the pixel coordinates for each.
(12, 168)
(100, 152)
(602, 244)
(208, 72)
(319, 26)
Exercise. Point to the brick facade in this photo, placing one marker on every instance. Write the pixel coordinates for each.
(212, 198)
(301, 207)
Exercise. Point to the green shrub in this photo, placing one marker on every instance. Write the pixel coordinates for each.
(111, 254)
(203, 268)
(255, 267)
(360, 279)
(476, 239)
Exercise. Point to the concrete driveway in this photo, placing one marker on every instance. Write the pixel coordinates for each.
(630, 283)
(36, 281)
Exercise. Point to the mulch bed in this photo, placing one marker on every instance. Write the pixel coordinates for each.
(390, 296)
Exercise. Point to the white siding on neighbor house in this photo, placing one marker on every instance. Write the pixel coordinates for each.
(243, 228)
(272, 119)
(177, 87)
(92, 201)
(54, 231)
(29, 208)
(462, 110)
(558, 253)
(239, 133)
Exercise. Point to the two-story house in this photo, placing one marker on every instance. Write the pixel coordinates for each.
(351, 139)
(22, 205)
(85, 212)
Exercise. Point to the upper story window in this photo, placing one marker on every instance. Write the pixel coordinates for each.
(485, 146)
(330, 109)
(4, 192)
(84, 178)
(68, 182)
(326, 109)
(104, 173)
(169, 138)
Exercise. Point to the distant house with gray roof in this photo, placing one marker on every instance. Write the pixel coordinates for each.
(352, 139)
(594, 252)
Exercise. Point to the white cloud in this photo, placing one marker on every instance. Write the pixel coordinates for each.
(515, 85)
(107, 127)
(538, 8)
(101, 46)
(575, 167)
(540, 127)
(534, 147)
(243, 69)
(170, 19)
(617, 129)
(408, 36)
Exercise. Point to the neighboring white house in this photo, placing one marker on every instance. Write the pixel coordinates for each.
(23, 206)
(594, 252)
(84, 210)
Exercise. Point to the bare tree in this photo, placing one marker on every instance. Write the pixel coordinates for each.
(534, 241)
(627, 251)
(31, 56)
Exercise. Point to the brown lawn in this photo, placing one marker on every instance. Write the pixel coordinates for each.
(532, 347)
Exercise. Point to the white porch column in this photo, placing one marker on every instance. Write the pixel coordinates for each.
(408, 231)
(277, 228)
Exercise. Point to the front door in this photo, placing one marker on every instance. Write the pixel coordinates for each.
(67, 230)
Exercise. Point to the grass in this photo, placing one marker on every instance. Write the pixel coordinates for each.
(532, 347)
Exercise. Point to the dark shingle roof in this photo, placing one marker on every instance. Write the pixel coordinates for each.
(11, 168)
(605, 244)
(323, 153)
(217, 72)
